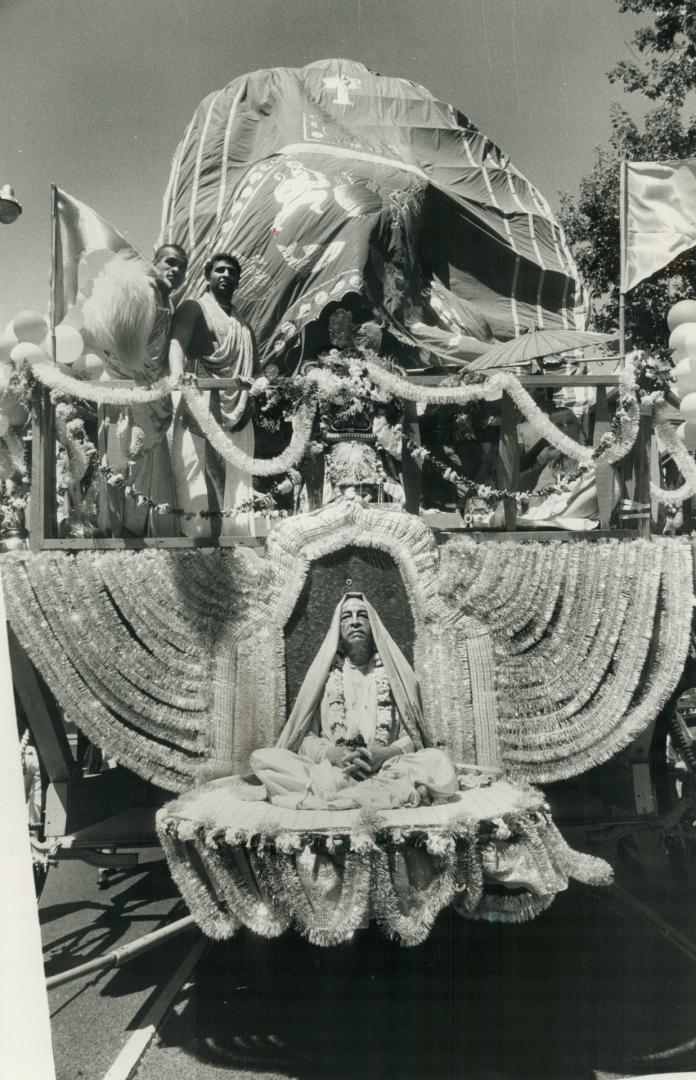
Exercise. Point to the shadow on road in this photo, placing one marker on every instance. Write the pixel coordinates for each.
(587, 986)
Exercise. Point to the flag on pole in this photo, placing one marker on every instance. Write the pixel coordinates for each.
(659, 217)
(77, 231)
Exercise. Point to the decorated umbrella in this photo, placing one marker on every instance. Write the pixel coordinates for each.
(331, 181)
(536, 343)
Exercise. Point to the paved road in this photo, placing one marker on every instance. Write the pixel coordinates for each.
(92, 1018)
(589, 991)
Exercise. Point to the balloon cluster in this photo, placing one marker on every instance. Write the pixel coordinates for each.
(27, 337)
(681, 321)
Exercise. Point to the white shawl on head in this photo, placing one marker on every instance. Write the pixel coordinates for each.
(401, 676)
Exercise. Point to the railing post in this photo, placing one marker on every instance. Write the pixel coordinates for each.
(638, 475)
(313, 468)
(509, 458)
(658, 514)
(411, 469)
(42, 523)
(604, 472)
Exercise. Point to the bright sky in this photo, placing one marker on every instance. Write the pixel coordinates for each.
(95, 94)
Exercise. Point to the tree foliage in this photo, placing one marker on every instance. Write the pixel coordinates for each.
(591, 219)
(668, 70)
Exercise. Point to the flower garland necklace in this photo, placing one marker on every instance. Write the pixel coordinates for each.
(336, 695)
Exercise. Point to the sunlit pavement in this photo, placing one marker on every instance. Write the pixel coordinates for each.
(93, 1017)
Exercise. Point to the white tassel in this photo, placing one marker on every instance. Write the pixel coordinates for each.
(120, 313)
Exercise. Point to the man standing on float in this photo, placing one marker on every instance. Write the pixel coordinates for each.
(135, 439)
(210, 339)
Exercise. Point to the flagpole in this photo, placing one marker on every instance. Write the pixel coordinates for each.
(622, 260)
(54, 275)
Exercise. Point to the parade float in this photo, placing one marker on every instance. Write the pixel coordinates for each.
(421, 328)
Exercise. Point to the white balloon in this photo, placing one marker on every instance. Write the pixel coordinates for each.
(685, 375)
(687, 434)
(682, 340)
(4, 424)
(25, 350)
(69, 344)
(684, 311)
(94, 366)
(8, 332)
(687, 407)
(7, 344)
(30, 326)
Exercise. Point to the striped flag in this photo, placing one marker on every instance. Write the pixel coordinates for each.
(77, 231)
(658, 217)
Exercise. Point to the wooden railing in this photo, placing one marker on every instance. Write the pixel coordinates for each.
(636, 470)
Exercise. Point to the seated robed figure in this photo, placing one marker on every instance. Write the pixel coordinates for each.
(356, 736)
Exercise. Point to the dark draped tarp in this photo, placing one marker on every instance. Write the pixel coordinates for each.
(331, 180)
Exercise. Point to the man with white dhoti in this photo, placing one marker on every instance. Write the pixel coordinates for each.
(210, 338)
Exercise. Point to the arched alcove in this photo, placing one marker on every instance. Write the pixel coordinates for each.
(352, 569)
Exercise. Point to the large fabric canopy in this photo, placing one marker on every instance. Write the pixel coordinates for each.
(330, 179)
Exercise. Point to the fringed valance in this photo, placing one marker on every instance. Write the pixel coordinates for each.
(542, 658)
(494, 853)
(127, 643)
(589, 640)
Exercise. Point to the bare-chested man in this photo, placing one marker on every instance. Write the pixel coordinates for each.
(211, 339)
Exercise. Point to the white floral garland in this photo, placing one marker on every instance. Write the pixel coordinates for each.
(54, 379)
(292, 455)
(336, 700)
(507, 382)
(684, 462)
(387, 381)
(302, 421)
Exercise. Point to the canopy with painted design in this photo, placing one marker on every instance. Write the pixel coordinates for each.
(331, 180)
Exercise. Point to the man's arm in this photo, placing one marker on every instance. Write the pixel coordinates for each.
(183, 328)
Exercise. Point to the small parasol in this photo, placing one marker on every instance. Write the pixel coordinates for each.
(533, 344)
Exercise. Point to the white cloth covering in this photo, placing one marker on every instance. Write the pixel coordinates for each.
(203, 480)
(295, 783)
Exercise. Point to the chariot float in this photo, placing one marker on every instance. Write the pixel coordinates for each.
(435, 432)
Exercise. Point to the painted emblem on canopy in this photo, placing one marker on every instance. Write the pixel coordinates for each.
(302, 188)
(342, 84)
(308, 258)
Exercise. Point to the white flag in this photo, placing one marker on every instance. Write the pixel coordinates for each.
(660, 217)
(79, 230)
